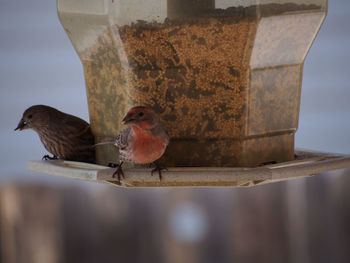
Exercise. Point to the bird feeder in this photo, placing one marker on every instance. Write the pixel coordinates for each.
(224, 76)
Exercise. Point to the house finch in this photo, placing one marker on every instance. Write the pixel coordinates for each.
(65, 136)
(143, 141)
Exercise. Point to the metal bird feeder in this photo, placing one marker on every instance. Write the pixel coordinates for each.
(224, 76)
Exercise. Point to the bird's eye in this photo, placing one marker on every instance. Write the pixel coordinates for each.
(141, 114)
(30, 116)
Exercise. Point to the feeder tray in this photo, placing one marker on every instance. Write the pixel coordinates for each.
(307, 163)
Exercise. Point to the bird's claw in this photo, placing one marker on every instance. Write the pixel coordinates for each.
(159, 170)
(48, 157)
(119, 172)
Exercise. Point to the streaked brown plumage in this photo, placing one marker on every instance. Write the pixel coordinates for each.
(65, 136)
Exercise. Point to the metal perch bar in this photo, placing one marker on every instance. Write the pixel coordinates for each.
(308, 163)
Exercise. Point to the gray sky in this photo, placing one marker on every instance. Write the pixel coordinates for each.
(38, 65)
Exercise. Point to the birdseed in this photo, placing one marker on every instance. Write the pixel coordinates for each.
(197, 74)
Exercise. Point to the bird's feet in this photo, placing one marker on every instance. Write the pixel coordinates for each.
(119, 172)
(159, 170)
(48, 157)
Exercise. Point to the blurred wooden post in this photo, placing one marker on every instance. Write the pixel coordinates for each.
(177, 250)
(31, 224)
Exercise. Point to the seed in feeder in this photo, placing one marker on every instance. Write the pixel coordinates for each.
(201, 64)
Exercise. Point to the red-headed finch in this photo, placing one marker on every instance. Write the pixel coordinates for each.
(65, 136)
(143, 141)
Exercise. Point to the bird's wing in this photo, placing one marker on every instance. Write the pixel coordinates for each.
(123, 138)
(74, 125)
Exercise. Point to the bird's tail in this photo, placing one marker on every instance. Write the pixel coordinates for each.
(105, 142)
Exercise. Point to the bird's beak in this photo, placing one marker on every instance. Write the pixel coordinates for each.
(128, 118)
(21, 125)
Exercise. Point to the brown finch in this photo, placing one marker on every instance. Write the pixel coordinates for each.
(143, 141)
(65, 136)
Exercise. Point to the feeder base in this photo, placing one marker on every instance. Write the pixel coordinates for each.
(306, 164)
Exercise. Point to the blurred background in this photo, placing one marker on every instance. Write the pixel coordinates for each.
(51, 219)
